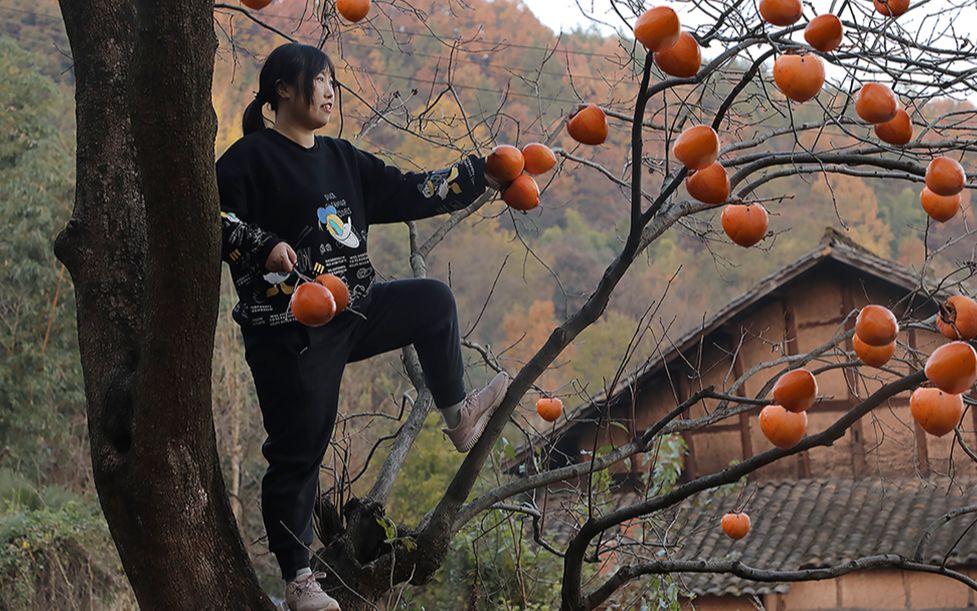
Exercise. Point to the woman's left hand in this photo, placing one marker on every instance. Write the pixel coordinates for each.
(493, 183)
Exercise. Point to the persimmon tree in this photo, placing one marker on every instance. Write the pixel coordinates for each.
(142, 250)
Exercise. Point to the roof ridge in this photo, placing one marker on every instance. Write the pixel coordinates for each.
(832, 236)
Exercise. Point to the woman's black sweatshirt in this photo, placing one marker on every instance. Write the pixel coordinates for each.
(321, 201)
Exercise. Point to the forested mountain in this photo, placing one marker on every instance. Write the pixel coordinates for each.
(516, 81)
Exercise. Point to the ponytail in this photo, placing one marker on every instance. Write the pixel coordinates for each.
(254, 119)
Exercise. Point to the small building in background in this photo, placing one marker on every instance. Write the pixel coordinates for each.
(873, 491)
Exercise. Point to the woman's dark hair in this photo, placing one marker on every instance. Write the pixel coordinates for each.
(292, 63)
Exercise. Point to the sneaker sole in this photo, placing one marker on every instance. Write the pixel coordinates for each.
(482, 422)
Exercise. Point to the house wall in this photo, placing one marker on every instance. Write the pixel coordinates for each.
(797, 318)
(862, 590)
(800, 316)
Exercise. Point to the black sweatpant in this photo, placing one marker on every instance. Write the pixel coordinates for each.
(297, 372)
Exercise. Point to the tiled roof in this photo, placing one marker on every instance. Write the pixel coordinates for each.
(818, 522)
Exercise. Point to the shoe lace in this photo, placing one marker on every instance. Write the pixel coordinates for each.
(311, 583)
(471, 398)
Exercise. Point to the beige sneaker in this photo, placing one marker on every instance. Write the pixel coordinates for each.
(305, 594)
(476, 412)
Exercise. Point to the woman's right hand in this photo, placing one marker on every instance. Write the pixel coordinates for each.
(281, 259)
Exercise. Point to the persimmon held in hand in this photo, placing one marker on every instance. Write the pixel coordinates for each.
(312, 304)
(338, 288)
(522, 193)
(505, 163)
(539, 158)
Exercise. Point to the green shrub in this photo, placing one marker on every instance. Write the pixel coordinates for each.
(57, 556)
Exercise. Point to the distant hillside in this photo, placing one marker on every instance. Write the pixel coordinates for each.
(401, 61)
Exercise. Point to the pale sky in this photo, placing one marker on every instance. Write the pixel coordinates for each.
(566, 14)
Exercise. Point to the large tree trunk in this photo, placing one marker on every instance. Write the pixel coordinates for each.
(142, 248)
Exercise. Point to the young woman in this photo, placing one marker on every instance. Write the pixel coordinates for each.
(292, 202)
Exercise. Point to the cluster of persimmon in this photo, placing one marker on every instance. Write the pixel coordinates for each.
(951, 369)
(942, 194)
(945, 177)
(677, 53)
(784, 423)
(799, 75)
(515, 169)
(697, 148)
(316, 303)
(876, 329)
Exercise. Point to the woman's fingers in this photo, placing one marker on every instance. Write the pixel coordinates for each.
(281, 259)
(289, 258)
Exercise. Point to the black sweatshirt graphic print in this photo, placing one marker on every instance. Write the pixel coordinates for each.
(321, 201)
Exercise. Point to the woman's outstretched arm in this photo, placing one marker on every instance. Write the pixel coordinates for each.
(393, 196)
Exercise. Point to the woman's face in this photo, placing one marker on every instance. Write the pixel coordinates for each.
(320, 106)
(314, 113)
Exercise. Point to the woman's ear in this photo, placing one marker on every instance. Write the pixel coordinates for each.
(283, 91)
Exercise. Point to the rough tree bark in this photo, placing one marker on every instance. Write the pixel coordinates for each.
(142, 247)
